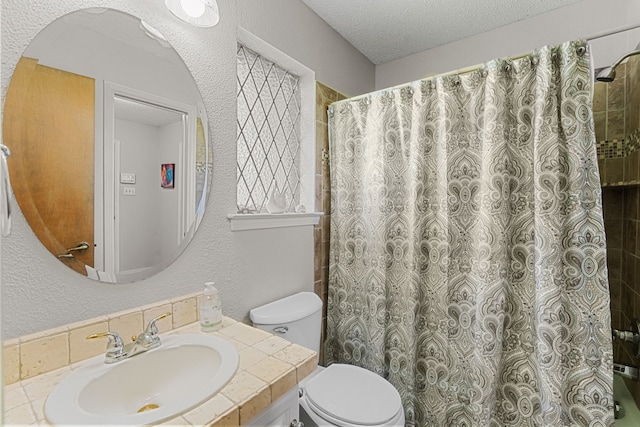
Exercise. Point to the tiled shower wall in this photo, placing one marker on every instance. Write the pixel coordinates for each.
(616, 108)
(324, 96)
(616, 112)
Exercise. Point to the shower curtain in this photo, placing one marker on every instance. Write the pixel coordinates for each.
(467, 255)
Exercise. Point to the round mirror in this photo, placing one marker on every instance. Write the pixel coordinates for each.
(111, 163)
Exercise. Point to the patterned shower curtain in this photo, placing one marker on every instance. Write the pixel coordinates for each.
(467, 257)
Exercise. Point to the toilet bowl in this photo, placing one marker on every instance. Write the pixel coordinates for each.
(349, 396)
(339, 395)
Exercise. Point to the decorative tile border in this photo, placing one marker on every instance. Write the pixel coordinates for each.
(619, 147)
(632, 142)
(611, 149)
(42, 352)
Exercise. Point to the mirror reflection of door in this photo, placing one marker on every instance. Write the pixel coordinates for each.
(50, 115)
(148, 157)
(149, 182)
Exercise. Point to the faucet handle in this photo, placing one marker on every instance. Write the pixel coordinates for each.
(115, 346)
(151, 328)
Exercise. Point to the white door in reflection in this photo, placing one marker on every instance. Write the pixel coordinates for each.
(149, 176)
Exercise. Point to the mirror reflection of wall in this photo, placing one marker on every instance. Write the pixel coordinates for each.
(147, 137)
(88, 52)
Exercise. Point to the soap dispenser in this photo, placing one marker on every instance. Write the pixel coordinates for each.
(210, 309)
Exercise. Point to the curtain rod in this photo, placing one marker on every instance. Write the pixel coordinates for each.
(513, 58)
(429, 76)
(612, 32)
(478, 66)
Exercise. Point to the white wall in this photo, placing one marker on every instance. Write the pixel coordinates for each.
(249, 267)
(140, 216)
(88, 53)
(168, 149)
(579, 20)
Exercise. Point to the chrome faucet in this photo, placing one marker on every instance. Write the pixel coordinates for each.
(117, 350)
(632, 336)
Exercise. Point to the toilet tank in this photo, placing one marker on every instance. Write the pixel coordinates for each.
(297, 318)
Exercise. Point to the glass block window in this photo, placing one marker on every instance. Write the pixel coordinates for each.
(268, 134)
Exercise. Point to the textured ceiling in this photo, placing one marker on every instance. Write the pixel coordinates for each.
(384, 30)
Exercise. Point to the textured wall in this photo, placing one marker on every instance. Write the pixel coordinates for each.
(250, 267)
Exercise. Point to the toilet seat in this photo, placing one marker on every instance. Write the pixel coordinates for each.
(348, 395)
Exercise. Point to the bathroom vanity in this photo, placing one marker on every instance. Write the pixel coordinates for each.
(263, 390)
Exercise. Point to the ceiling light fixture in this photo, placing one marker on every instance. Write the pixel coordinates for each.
(199, 13)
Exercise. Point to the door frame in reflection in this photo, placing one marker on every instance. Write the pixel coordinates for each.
(109, 227)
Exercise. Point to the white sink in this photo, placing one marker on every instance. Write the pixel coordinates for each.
(183, 372)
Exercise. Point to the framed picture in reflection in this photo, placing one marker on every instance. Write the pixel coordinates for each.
(167, 172)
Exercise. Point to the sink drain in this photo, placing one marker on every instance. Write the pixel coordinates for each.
(148, 407)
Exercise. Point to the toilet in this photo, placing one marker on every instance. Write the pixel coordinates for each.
(339, 395)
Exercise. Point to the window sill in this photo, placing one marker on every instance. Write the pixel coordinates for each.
(242, 222)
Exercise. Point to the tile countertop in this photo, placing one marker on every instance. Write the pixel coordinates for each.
(269, 367)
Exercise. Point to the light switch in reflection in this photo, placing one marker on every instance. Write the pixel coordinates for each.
(127, 178)
(129, 191)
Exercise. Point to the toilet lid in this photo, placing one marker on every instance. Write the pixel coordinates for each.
(353, 395)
